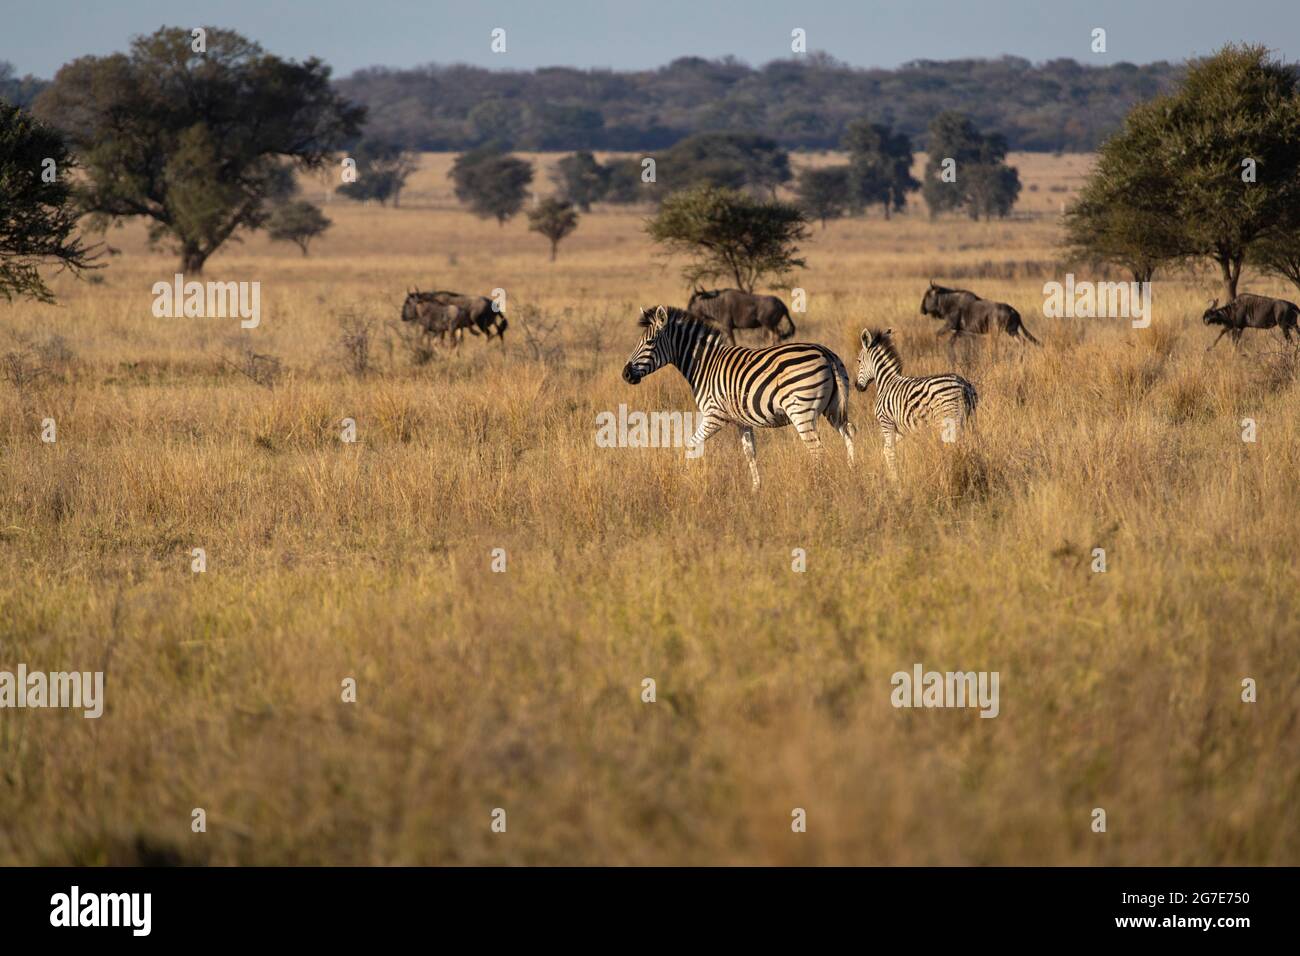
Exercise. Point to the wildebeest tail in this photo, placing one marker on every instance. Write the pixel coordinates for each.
(1024, 331)
(784, 326)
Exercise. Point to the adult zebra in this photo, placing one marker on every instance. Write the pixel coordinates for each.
(764, 388)
(903, 402)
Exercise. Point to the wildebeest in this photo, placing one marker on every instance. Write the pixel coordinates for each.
(965, 313)
(1249, 311)
(445, 313)
(731, 309)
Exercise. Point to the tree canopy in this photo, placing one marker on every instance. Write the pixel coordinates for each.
(198, 142)
(382, 170)
(492, 183)
(1210, 171)
(823, 192)
(554, 219)
(730, 234)
(298, 222)
(965, 169)
(37, 216)
(880, 166)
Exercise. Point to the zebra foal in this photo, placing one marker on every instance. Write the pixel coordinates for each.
(788, 384)
(903, 403)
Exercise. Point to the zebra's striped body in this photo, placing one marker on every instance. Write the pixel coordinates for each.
(769, 387)
(905, 403)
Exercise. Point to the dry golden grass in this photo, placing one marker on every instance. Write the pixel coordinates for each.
(522, 690)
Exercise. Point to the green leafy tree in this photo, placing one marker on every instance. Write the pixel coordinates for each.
(728, 233)
(984, 185)
(554, 219)
(1219, 162)
(493, 184)
(991, 190)
(1126, 214)
(581, 180)
(201, 144)
(37, 215)
(824, 192)
(1279, 256)
(880, 166)
(298, 222)
(382, 170)
(623, 184)
(726, 160)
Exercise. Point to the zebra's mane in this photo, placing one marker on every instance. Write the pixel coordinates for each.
(676, 316)
(883, 342)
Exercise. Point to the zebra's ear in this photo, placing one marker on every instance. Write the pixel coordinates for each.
(661, 318)
(888, 333)
(866, 338)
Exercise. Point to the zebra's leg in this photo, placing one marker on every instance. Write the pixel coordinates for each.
(708, 425)
(747, 443)
(890, 435)
(804, 421)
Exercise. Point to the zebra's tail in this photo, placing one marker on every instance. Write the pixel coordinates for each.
(837, 412)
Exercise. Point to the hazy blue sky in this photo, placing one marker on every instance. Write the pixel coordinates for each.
(38, 36)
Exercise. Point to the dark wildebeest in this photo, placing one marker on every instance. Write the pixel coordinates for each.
(965, 313)
(731, 309)
(450, 313)
(1248, 311)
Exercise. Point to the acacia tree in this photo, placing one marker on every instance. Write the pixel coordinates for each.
(298, 222)
(880, 166)
(1279, 255)
(824, 192)
(984, 185)
(1126, 213)
(199, 142)
(581, 180)
(727, 233)
(37, 216)
(382, 170)
(554, 219)
(493, 184)
(1215, 166)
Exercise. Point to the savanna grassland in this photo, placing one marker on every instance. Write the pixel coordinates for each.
(522, 690)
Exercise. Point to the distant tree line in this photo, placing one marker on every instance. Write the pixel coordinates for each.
(968, 174)
(804, 103)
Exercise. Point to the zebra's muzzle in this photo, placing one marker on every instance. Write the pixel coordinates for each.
(630, 375)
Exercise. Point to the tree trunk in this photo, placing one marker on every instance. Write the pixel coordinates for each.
(192, 260)
(554, 245)
(1230, 266)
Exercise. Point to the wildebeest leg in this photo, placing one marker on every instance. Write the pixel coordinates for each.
(952, 346)
(1236, 339)
(747, 443)
(1222, 333)
(731, 334)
